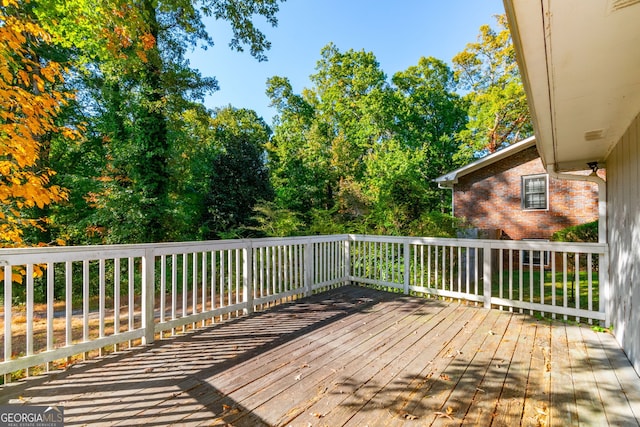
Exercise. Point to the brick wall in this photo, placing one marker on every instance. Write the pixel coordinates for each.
(490, 198)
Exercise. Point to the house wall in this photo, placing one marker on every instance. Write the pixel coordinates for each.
(490, 198)
(623, 190)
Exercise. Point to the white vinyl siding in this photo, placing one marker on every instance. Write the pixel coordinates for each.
(623, 175)
(534, 192)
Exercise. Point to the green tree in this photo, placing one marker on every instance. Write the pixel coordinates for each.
(238, 177)
(429, 117)
(363, 149)
(135, 80)
(498, 111)
(323, 135)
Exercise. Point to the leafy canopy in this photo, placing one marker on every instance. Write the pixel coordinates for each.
(29, 104)
(498, 110)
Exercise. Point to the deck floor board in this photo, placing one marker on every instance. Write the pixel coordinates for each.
(354, 356)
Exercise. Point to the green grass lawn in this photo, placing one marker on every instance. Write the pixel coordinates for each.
(530, 285)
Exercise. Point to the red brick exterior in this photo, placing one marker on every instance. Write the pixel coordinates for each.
(490, 198)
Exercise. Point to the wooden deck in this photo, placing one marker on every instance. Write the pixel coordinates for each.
(354, 356)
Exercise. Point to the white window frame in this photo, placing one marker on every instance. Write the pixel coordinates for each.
(523, 194)
(536, 260)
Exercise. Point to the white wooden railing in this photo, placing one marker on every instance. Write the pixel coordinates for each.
(69, 301)
(569, 282)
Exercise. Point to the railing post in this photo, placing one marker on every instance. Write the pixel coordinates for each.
(347, 261)
(486, 274)
(8, 321)
(247, 278)
(148, 295)
(407, 270)
(604, 291)
(308, 268)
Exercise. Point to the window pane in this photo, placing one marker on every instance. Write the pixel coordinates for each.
(535, 192)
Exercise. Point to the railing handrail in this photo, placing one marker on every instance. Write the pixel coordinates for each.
(271, 241)
(582, 247)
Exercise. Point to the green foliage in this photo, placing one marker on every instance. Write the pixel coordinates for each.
(141, 173)
(587, 232)
(354, 152)
(275, 221)
(239, 179)
(436, 224)
(361, 149)
(498, 110)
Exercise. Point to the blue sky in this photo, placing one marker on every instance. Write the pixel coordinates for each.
(398, 33)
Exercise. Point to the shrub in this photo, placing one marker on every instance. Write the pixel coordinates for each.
(587, 232)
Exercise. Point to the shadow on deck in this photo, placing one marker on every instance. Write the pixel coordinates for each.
(354, 356)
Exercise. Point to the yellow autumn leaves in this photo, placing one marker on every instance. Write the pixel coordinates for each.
(29, 105)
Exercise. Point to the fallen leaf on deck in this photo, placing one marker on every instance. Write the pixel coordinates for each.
(229, 409)
(446, 414)
(407, 416)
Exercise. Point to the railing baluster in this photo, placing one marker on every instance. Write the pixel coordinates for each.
(407, 256)
(576, 280)
(520, 276)
(222, 281)
(68, 289)
(85, 301)
(148, 296)
(486, 275)
(194, 285)
(254, 270)
(29, 323)
(542, 263)
(101, 299)
(174, 289)
(214, 281)
(451, 259)
(8, 316)
(185, 287)
(422, 265)
(501, 275)
(50, 308)
(565, 303)
(511, 277)
(262, 278)
(553, 283)
(203, 297)
(247, 279)
(476, 272)
(116, 299)
(459, 287)
(163, 288)
(531, 267)
(436, 266)
(590, 284)
(131, 301)
(230, 278)
(238, 278)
